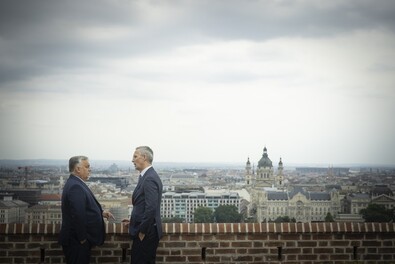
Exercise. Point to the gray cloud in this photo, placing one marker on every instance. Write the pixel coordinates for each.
(45, 37)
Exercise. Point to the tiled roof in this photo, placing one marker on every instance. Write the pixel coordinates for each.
(277, 196)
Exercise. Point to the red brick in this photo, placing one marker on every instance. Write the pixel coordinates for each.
(241, 251)
(322, 236)
(371, 243)
(307, 243)
(274, 244)
(228, 227)
(225, 237)
(175, 252)
(314, 228)
(175, 244)
(323, 250)
(372, 257)
(54, 252)
(254, 251)
(306, 227)
(354, 236)
(288, 251)
(221, 228)
(264, 227)
(257, 259)
(307, 257)
(108, 259)
(177, 228)
(191, 251)
(224, 244)
(241, 244)
(377, 228)
(257, 236)
(340, 257)
(293, 228)
(241, 237)
(222, 251)
(209, 244)
(243, 258)
(214, 259)
(271, 227)
(19, 253)
(257, 227)
(290, 244)
(323, 257)
(8, 245)
(290, 236)
(183, 227)
(323, 243)
(197, 259)
(338, 243)
(257, 242)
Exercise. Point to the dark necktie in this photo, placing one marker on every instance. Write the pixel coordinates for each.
(137, 186)
(139, 181)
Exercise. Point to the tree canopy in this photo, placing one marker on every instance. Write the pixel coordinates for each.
(227, 214)
(285, 219)
(329, 218)
(377, 213)
(172, 220)
(203, 215)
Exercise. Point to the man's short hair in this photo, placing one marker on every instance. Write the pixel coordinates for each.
(74, 161)
(146, 151)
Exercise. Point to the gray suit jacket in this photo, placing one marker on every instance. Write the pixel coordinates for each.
(146, 200)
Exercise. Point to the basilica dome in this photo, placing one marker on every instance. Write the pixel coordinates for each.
(265, 161)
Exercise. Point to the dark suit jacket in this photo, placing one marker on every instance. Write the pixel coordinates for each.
(146, 200)
(81, 214)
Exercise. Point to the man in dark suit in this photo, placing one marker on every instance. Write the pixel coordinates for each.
(82, 215)
(145, 224)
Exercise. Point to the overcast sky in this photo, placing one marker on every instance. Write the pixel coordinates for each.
(199, 81)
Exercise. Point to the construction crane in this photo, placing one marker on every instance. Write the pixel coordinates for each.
(26, 169)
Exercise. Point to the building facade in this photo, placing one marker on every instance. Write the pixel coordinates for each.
(271, 198)
(12, 211)
(44, 214)
(183, 205)
(298, 204)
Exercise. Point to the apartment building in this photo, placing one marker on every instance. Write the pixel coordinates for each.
(183, 205)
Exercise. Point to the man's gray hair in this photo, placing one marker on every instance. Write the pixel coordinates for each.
(74, 161)
(146, 151)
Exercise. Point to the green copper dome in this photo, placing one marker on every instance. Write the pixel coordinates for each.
(265, 161)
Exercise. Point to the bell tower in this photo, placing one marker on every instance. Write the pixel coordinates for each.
(248, 174)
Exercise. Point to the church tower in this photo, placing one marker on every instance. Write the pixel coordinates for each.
(280, 175)
(264, 172)
(248, 174)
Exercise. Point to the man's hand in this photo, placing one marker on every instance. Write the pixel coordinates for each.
(83, 241)
(141, 236)
(106, 214)
(125, 222)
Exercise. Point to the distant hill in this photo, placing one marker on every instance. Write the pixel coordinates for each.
(125, 164)
(122, 164)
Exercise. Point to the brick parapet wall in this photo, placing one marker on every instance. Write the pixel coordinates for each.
(331, 243)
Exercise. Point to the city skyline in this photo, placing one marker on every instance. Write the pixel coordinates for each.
(199, 81)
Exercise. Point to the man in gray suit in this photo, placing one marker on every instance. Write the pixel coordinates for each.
(145, 224)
